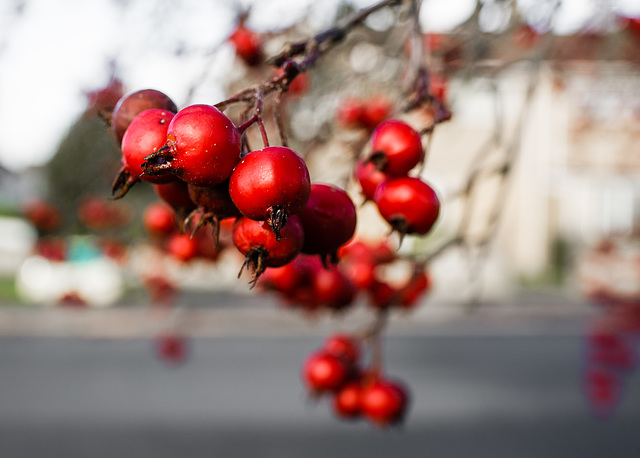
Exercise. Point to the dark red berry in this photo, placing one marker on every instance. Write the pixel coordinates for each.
(328, 219)
(129, 106)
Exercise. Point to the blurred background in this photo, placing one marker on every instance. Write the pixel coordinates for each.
(114, 339)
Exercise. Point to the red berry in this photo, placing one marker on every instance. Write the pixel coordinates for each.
(409, 204)
(416, 287)
(369, 176)
(182, 247)
(258, 243)
(384, 402)
(129, 106)
(382, 294)
(349, 113)
(333, 289)
(159, 219)
(146, 134)
(343, 346)
(247, 45)
(202, 147)
(270, 184)
(43, 215)
(375, 111)
(323, 372)
(347, 401)
(396, 147)
(328, 219)
(172, 348)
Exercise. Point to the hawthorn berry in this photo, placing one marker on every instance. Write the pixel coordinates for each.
(384, 402)
(146, 134)
(322, 372)
(247, 45)
(270, 184)
(347, 401)
(408, 204)
(344, 346)
(396, 147)
(130, 105)
(369, 177)
(258, 243)
(202, 147)
(159, 219)
(329, 221)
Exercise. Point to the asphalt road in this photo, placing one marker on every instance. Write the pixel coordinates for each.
(506, 395)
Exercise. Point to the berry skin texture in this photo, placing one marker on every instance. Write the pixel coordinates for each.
(328, 219)
(202, 147)
(129, 106)
(409, 204)
(270, 184)
(324, 372)
(396, 147)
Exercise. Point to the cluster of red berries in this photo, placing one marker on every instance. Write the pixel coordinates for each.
(335, 370)
(194, 159)
(356, 113)
(307, 284)
(611, 356)
(407, 203)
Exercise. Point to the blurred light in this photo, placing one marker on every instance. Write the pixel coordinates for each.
(494, 17)
(439, 16)
(364, 57)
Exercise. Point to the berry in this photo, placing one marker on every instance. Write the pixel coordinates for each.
(409, 204)
(172, 348)
(396, 147)
(333, 289)
(324, 372)
(347, 401)
(146, 134)
(328, 219)
(258, 243)
(384, 402)
(202, 147)
(247, 45)
(344, 346)
(270, 184)
(159, 219)
(369, 176)
(182, 247)
(129, 106)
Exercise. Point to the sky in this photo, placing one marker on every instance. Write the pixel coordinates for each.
(53, 52)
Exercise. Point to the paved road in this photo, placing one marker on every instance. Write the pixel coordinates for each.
(474, 396)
